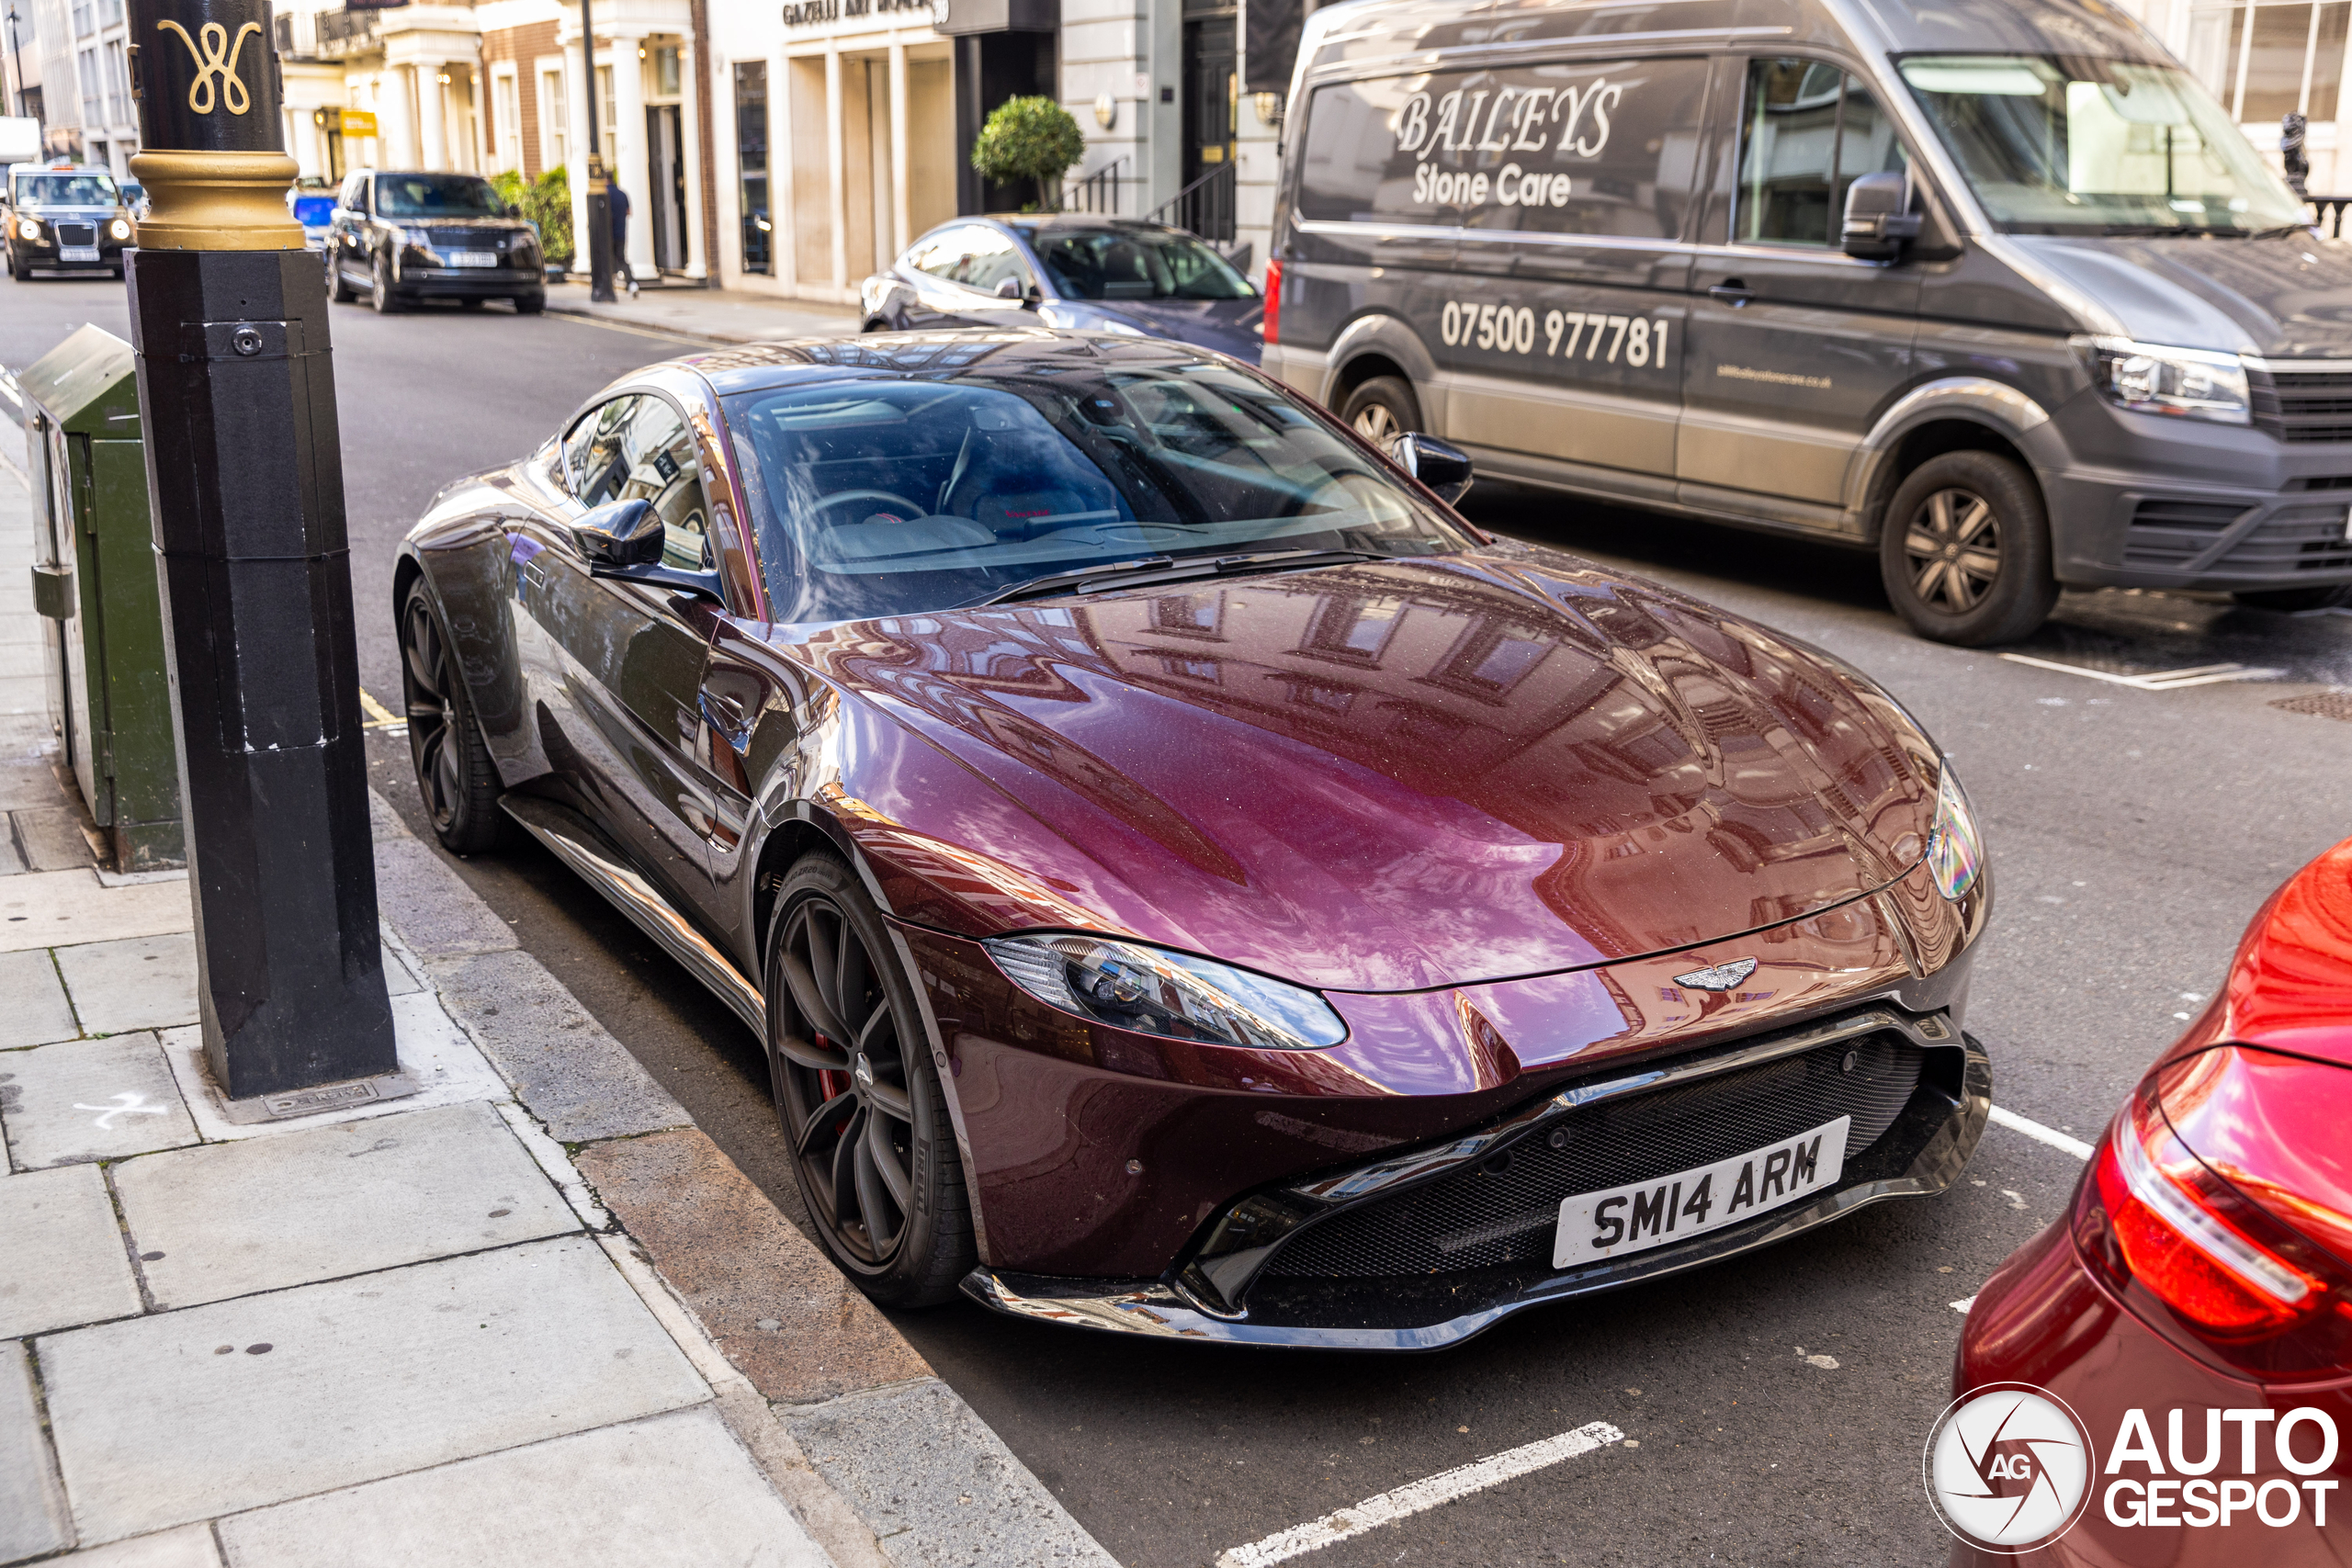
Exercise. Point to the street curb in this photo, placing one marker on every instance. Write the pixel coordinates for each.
(823, 1391)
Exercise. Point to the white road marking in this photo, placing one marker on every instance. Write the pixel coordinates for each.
(1419, 1496)
(2155, 680)
(130, 1103)
(2039, 1133)
(1961, 1305)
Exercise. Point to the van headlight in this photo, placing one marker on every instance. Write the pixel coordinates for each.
(1955, 850)
(1154, 991)
(2186, 383)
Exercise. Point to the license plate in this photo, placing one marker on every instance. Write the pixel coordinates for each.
(77, 252)
(1595, 1227)
(473, 258)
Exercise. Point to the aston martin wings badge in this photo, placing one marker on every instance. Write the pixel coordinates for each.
(1720, 977)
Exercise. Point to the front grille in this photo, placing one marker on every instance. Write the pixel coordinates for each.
(1504, 1210)
(2177, 535)
(77, 233)
(2304, 405)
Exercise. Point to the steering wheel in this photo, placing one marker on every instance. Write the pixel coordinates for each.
(843, 498)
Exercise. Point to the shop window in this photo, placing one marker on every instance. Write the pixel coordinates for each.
(752, 160)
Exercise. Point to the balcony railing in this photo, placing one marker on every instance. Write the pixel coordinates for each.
(1204, 207)
(2331, 213)
(346, 32)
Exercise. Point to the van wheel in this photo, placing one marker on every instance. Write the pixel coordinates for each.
(1965, 551)
(2289, 600)
(1382, 409)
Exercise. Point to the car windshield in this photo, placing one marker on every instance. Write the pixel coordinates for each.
(2057, 146)
(885, 496)
(1135, 263)
(66, 190)
(436, 196)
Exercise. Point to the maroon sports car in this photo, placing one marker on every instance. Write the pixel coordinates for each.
(1188, 880)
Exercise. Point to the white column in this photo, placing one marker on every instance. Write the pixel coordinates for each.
(432, 117)
(396, 121)
(903, 222)
(837, 166)
(783, 246)
(690, 155)
(630, 164)
(579, 103)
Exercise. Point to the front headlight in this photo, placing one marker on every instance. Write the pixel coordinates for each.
(120, 229)
(2186, 383)
(29, 229)
(1155, 992)
(1955, 851)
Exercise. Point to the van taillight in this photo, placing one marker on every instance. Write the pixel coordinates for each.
(2216, 1209)
(1273, 299)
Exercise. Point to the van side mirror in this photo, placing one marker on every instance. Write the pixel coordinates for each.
(1879, 220)
(1009, 288)
(1446, 470)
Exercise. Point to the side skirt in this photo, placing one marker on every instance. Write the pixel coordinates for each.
(577, 843)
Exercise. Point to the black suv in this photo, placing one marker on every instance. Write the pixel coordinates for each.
(63, 218)
(404, 237)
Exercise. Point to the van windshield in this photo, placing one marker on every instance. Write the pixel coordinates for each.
(2055, 146)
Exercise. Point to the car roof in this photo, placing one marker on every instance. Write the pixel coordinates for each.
(944, 356)
(1370, 31)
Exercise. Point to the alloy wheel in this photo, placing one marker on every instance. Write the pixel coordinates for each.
(848, 1099)
(1954, 549)
(429, 677)
(1376, 423)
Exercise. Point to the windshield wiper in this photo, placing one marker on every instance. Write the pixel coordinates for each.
(2281, 232)
(1170, 569)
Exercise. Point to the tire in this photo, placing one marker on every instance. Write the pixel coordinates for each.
(14, 275)
(2286, 601)
(338, 290)
(1965, 551)
(1382, 408)
(530, 304)
(455, 775)
(379, 287)
(872, 1144)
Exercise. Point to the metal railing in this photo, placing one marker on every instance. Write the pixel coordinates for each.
(344, 27)
(1098, 192)
(1204, 207)
(2331, 213)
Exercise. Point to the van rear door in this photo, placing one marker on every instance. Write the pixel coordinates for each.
(1794, 348)
(1560, 337)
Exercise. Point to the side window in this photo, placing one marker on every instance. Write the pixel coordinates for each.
(988, 259)
(1808, 130)
(1593, 147)
(944, 253)
(593, 455)
(664, 469)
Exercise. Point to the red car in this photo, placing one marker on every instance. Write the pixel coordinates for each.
(2194, 1313)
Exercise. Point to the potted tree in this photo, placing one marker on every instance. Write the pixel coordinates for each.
(1030, 139)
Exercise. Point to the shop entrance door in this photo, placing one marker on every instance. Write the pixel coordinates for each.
(1212, 89)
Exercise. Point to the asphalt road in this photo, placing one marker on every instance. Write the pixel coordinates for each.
(1779, 1403)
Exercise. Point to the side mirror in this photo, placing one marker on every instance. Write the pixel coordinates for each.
(1009, 288)
(619, 535)
(1879, 220)
(513, 210)
(1446, 470)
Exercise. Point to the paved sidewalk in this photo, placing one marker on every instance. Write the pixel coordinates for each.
(527, 1315)
(712, 315)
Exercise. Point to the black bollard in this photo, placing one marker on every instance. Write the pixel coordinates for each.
(245, 469)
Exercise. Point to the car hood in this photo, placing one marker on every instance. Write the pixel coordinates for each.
(1228, 326)
(2280, 297)
(1390, 776)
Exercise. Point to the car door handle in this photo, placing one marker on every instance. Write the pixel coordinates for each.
(1732, 291)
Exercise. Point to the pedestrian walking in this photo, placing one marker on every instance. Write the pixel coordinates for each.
(619, 200)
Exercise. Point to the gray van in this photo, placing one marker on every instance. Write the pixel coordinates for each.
(1992, 286)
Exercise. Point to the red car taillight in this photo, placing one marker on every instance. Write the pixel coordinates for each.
(1273, 299)
(2219, 1207)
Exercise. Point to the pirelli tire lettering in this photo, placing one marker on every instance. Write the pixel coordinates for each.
(1595, 336)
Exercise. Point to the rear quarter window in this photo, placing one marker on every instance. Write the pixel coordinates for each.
(1589, 147)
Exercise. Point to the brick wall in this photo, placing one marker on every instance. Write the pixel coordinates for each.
(522, 47)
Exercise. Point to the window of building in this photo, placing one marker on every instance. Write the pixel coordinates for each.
(86, 21)
(555, 120)
(1809, 132)
(88, 68)
(751, 159)
(665, 70)
(506, 121)
(118, 111)
(2269, 60)
(607, 112)
(109, 13)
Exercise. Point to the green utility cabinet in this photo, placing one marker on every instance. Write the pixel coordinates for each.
(109, 690)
